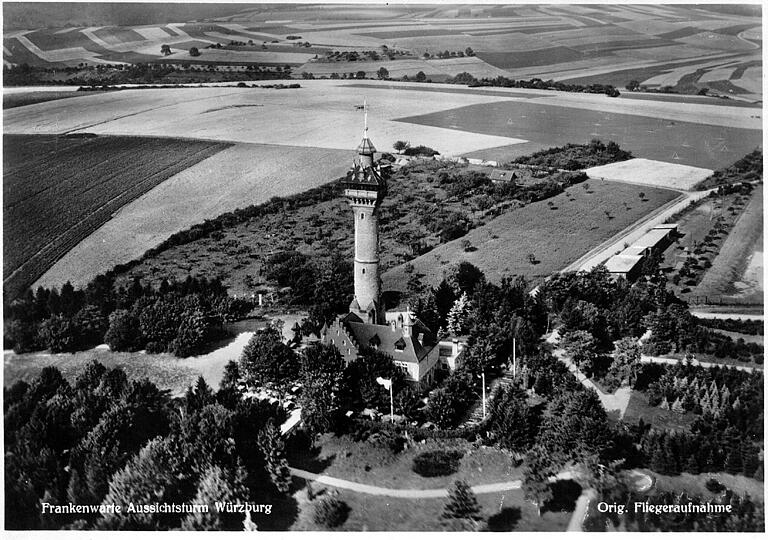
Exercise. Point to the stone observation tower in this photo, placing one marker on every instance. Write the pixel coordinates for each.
(365, 187)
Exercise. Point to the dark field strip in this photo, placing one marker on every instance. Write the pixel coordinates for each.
(127, 57)
(20, 100)
(539, 57)
(736, 29)
(168, 30)
(52, 42)
(58, 190)
(680, 33)
(120, 35)
(622, 77)
(412, 33)
(458, 90)
(698, 145)
(680, 98)
(527, 29)
(739, 71)
(610, 46)
(21, 55)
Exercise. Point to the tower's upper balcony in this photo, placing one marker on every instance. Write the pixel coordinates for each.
(365, 183)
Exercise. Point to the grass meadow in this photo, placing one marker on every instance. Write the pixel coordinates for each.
(555, 235)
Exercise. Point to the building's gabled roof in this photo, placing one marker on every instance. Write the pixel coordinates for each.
(499, 174)
(392, 341)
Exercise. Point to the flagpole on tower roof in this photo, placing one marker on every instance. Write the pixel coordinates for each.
(365, 109)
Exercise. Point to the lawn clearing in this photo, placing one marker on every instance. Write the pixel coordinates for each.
(660, 418)
(58, 190)
(556, 235)
(165, 370)
(653, 173)
(506, 511)
(695, 484)
(367, 463)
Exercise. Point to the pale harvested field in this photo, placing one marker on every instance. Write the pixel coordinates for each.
(321, 114)
(234, 178)
(652, 173)
(737, 268)
(751, 80)
(753, 33)
(719, 74)
(718, 41)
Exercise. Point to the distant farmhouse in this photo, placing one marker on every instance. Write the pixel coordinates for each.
(415, 349)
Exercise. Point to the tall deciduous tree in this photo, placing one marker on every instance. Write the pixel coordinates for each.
(266, 359)
(322, 369)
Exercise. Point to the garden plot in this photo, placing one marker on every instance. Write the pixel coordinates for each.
(652, 173)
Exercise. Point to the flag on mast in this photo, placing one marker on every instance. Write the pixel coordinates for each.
(386, 383)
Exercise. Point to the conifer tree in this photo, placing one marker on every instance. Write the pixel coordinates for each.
(536, 473)
(218, 485)
(272, 446)
(458, 315)
(462, 507)
(692, 465)
(677, 407)
(733, 461)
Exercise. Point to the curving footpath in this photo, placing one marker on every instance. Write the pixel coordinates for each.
(408, 493)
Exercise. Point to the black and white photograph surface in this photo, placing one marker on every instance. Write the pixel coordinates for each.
(383, 267)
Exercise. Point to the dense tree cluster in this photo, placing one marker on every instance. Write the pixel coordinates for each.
(728, 430)
(107, 439)
(479, 190)
(577, 156)
(674, 329)
(537, 84)
(180, 318)
(326, 285)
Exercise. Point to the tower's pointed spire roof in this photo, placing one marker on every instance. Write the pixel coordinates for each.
(366, 147)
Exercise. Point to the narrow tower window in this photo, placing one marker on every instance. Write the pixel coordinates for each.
(363, 270)
(362, 216)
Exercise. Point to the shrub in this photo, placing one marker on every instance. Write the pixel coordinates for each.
(714, 486)
(331, 512)
(437, 463)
